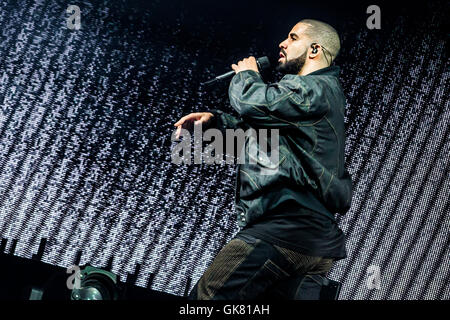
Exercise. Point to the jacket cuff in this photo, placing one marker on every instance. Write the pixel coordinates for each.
(216, 121)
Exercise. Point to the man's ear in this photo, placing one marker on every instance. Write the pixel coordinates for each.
(313, 50)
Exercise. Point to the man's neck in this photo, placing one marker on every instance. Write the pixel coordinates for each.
(308, 68)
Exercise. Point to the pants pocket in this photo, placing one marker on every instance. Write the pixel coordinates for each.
(266, 277)
(309, 288)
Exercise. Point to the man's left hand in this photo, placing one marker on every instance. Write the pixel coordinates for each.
(246, 64)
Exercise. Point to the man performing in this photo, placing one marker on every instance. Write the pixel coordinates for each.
(287, 219)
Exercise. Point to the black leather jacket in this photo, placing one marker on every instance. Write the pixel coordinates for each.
(308, 111)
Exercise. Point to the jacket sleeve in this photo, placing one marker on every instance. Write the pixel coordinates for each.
(286, 103)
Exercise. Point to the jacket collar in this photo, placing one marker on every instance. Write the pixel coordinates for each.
(330, 71)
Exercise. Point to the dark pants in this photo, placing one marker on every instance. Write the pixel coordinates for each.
(247, 268)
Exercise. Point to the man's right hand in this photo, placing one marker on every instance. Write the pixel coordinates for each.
(187, 122)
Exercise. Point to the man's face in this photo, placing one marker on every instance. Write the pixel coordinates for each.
(293, 50)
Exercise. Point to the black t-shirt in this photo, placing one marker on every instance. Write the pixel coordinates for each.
(301, 230)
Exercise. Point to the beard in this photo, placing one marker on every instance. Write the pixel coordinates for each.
(292, 66)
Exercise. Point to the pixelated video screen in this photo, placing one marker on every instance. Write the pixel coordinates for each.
(86, 117)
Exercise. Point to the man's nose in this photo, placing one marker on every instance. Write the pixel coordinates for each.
(283, 45)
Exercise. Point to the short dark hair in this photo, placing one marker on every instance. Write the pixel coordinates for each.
(323, 34)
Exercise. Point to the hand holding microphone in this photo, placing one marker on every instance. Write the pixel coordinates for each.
(249, 63)
(245, 64)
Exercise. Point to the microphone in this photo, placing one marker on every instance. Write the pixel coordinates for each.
(262, 62)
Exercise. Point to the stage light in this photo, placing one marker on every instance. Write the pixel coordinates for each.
(96, 284)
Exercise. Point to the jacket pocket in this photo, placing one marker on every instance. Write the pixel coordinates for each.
(265, 164)
(261, 172)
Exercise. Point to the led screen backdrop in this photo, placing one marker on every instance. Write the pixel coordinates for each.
(86, 117)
